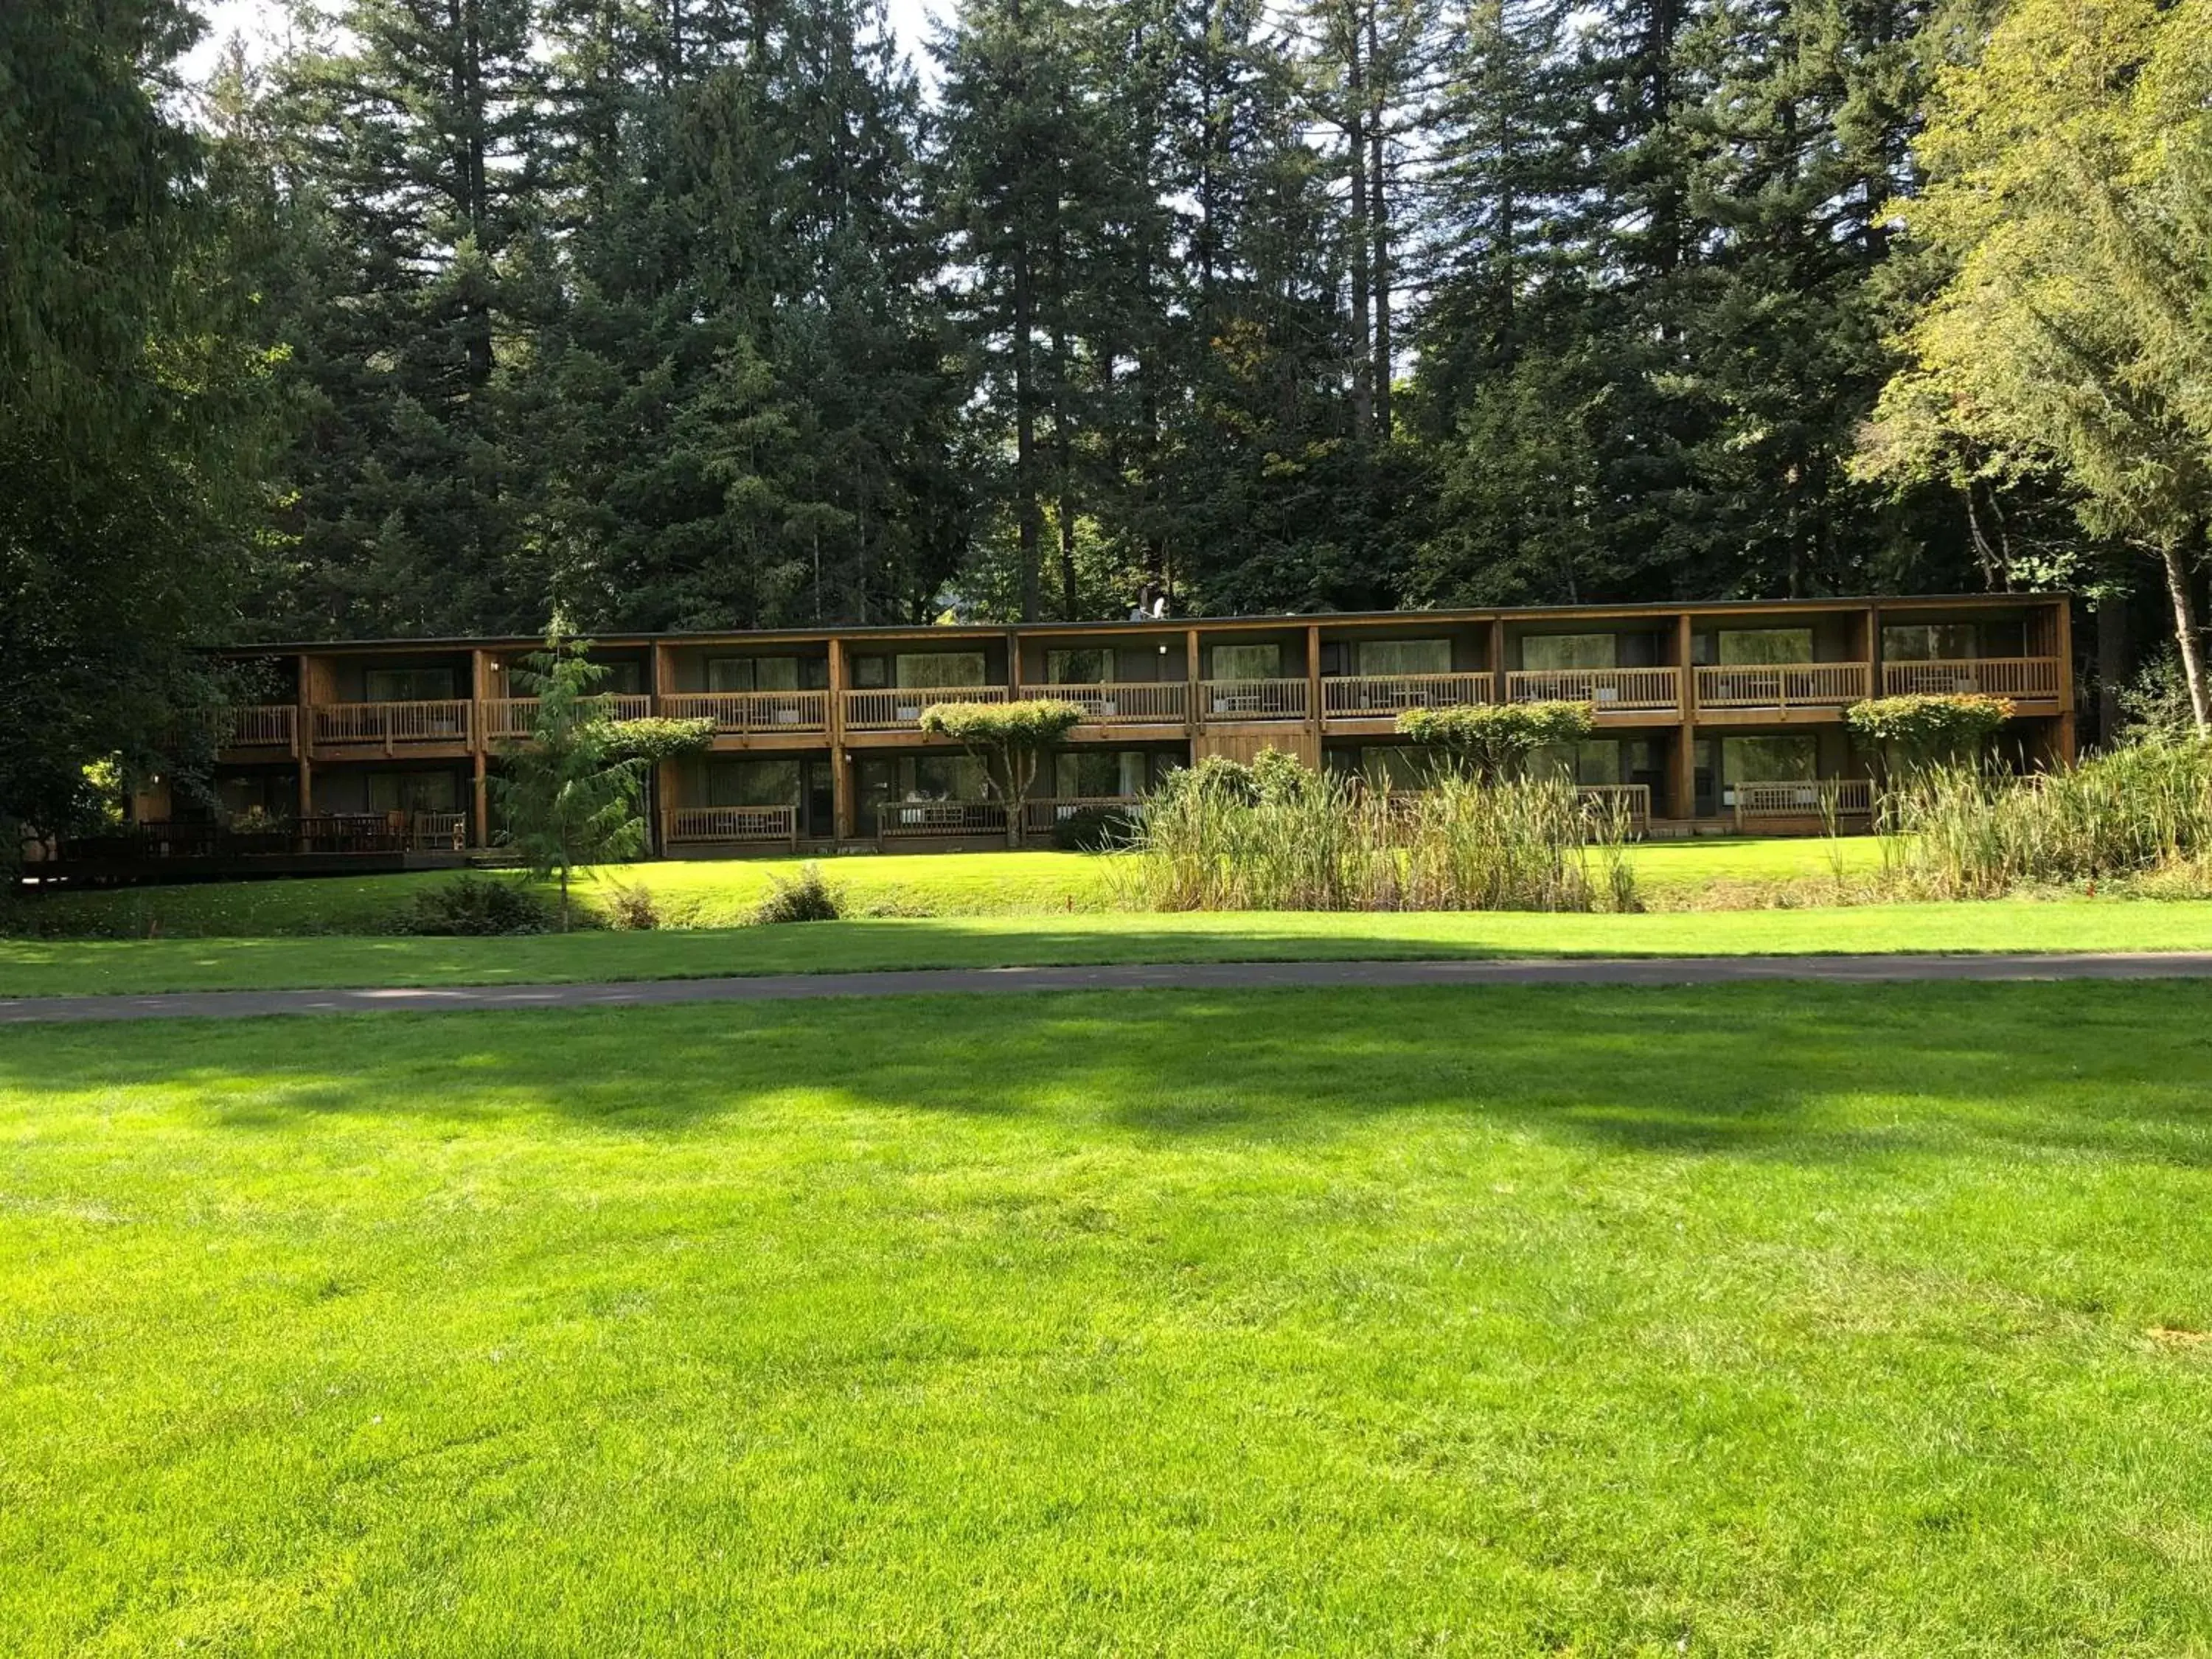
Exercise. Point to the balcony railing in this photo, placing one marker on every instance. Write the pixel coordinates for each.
(392, 723)
(1040, 816)
(1608, 690)
(914, 819)
(1354, 696)
(514, 718)
(1842, 797)
(1633, 801)
(257, 725)
(900, 708)
(733, 824)
(438, 832)
(1253, 700)
(746, 712)
(1784, 685)
(1996, 676)
(1141, 703)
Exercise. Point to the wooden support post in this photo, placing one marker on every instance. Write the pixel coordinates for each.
(1313, 694)
(1685, 789)
(1496, 651)
(1191, 676)
(845, 821)
(480, 824)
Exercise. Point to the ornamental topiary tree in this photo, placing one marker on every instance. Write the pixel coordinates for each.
(570, 793)
(1009, 739)
(657, 738)
(1494, 740)
(1916, 734)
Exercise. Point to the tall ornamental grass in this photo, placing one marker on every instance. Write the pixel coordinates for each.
(2143, 810)
(1327, 844)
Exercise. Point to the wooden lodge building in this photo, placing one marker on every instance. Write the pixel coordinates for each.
(1710, 718)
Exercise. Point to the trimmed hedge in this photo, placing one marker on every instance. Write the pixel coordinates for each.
(1496, 739)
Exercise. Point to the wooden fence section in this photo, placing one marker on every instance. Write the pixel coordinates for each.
(1996, 676)
(439, 832)
(925, 819)
(900, 709)
(1841, 798)
(392, 723)
(1608, 690)
(1253, 700)
(748, 712)
(1633, 801)
(1355, 695)
(1039, 818)
(513, 718)
(732, 823)
(1137, 703)
(1784, 685)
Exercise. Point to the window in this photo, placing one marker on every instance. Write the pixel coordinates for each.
(1248, 662)
(752, 783)
(1079, 667)
(945, 777)
(622, 678)
(1929, 642)
(944, 668)
(413, 792)
(1399, 766)
(871, 673)
(1087, 774)
(1380, 659)
(408, 684)
(1753, 646)
(752, 674)
(1545, 653)
(1769, 760)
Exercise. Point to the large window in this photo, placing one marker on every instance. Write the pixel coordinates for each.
(408, 684)
(945, 668)
(1770, 760)
(752, 783)
(413, 792)
(752, 674)
(1385, 659)
(1953, 642)
(1546, 652)
(944, 777)
(1248, 662)
(1092, 667)
(1752, 647)
(1087, 774)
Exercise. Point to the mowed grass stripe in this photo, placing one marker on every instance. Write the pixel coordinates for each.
(92, 967)
(1779, 1319)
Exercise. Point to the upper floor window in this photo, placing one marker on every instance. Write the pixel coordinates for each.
(408, 684)
(1753, 646)
(1953, 641)
(1093, 667)
(1383, 659)
(752, 673)
(941, 668)
(1545, 652)
(1248, 662)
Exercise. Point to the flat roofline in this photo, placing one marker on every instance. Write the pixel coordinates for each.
(889, 631)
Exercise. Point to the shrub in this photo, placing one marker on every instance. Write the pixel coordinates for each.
(1332, 845)
(474, 904)
(1915, 732)
(1009, 739)
(657, 738)
(1095, 829)
(632, 909)
(807, 896)
(1494, 740)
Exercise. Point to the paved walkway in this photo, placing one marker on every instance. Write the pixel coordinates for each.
(1169, 976)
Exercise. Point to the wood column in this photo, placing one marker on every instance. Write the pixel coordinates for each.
(486, 687)
(1197, 713)
(1496, 649)
(1313, 694)
(1685, 783)
(840, 766)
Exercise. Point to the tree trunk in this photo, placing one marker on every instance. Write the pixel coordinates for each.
(1379, 220)
(2185, 632)
(2111, 665)
(1355, 132)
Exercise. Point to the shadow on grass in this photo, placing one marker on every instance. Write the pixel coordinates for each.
(1806, 1072)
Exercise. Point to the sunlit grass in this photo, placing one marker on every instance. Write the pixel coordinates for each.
(1777, 1319)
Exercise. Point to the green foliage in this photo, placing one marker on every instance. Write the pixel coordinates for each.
(2145, 808)
(134, 410)
(1919, 731)
(658, 738)
(632, 908)
(1494, 740)
(807, 896)
(570, 797)
(1095, 830)
(1272, 776)
(471, 904)
(1009, 739)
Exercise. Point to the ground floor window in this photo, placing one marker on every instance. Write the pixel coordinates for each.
(752, 783)
(1088, 773)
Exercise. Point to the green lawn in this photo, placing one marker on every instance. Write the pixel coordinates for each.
(1781, 1320)
(45, 967)
(721, 893)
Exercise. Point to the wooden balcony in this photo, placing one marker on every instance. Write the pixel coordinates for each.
(1140, 703)
(934, 820)
(1784, 685)
(1608, 691)
(2036, 678)
(257, 725)
(764, 825)
(514, 718)
(1252, 700)
(1370, 696)
(391, 726)
(1838, 798)
(752, 713)
(900, 709)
